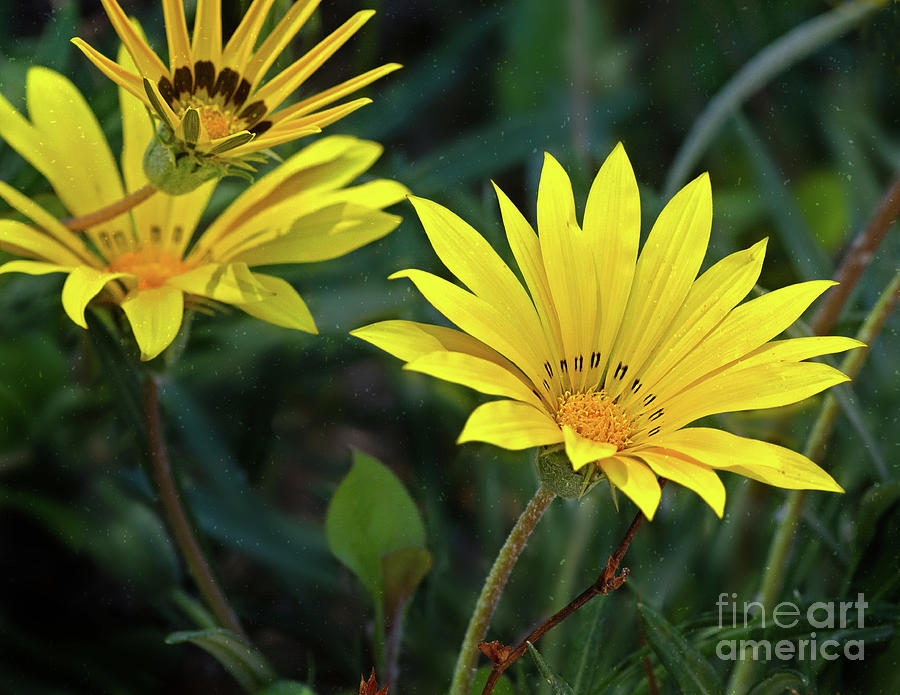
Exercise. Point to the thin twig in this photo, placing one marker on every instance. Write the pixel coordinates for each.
(177, 517)
(110, 212)
(608, 581)
(857, 258)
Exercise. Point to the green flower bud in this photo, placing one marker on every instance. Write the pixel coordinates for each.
(176, 170)
(556, 473)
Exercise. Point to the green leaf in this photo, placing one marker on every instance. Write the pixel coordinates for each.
(782, 682)
(240, 658)
(401, 573)
(371, 515)
(557, 684)
(502, 687)
(119, 369)
(693, 674)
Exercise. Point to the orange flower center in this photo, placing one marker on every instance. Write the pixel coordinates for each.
(217, 123)
(152, 267)
(595, 416)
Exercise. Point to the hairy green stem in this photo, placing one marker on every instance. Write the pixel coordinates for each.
(779, 550)
(775, 58)
(177, 518)
(493, 587)
(120, 207)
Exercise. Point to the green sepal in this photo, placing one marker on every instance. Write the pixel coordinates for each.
(175, 170)
(557, 475)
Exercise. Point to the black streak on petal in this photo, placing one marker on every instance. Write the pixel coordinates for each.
(205, 75)
(184, 81)
(254, 112)
(166, 90)
(225, 83)
(241, 94)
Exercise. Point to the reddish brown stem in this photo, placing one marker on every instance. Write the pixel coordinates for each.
(607, 582)
(857, 258)
(110, 211)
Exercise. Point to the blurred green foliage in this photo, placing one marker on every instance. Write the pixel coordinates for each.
(261, 420)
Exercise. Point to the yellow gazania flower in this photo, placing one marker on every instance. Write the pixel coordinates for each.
(212, 99)
(612, 354)
(144, 260)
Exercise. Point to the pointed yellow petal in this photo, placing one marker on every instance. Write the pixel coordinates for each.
(207, 39)
(377, 194)
(760, 460)
(32, 268)
(712, 296)
(634, 479)
(797, 349)
(155, 317)
(480, 320)
(768, 385)
(82, 285)
(300, 124)
(283, 307)
(275, 42)
(410, 340)
(148, 63)
(177, 35)
(689, 473)
(85, 174)
(510, 425)
(329, 96)
(612, 223)
(113, 71)
(24, 138)
(744, 329)
(287, 81)
(49, 225)
(472, 259)
(242, 41)
(666, 268)
(232, 283)
(324, 235)
(583, 451)
(482, 375)
(23, 240)
(526, 250)
(571, 273)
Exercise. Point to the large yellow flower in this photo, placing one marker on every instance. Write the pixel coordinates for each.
(612, 354)
(212, 99)
(145, 260)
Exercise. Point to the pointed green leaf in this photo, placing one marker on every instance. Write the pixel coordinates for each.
(557, 684)
(240, 658)
(401, 573)
(688, 668)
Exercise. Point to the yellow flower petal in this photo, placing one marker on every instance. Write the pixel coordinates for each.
(753, 458)
(207, 39)
(479, 319)
(288, 80)
(225, 282)
(510, 425)
(324, 235)
(147, 61)
(634, 479)
(115, 72)
(711, 297)
(666, 268)
(32, 268)
(768, 385)
(583, 451)
(155, 317)
(797, 349)
(744, 329)
(84, 174)
(82, 285)
(21, 239)
(176, 34)
(689, 473)
(470, 258)
(275, 42)
(612, 223)
(571, 273)
(482, 375)
(242, 41)
(282, 307)
(410, 340)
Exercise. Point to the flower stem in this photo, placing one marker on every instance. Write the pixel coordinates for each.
(177, 517)
(778, 56)
(493, 586)
(110, 212)
(779, 551)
